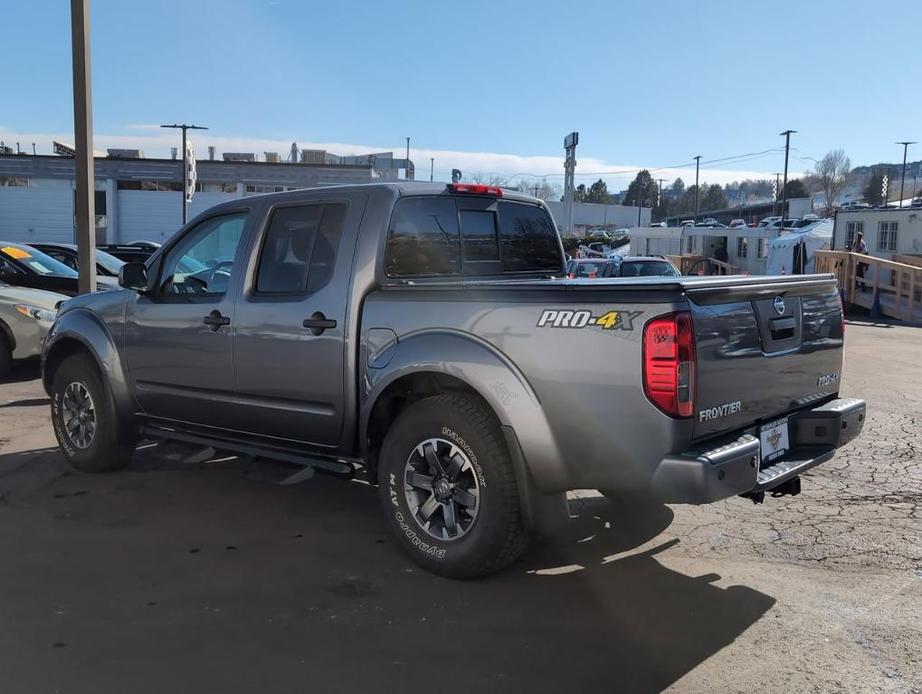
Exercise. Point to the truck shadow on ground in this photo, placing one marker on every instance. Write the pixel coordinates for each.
(199, 576)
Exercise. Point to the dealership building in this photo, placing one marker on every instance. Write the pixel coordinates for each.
(140, 199)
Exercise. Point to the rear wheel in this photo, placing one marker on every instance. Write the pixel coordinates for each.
(448, 487)
(84, 418)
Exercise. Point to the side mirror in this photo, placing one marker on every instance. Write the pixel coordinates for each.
(133, 276)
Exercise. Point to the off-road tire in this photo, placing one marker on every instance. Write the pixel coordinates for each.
(497, 536)
(112, 442)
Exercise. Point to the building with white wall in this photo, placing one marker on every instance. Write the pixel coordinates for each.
(141, 199)
(589, 216)
(887, 231)
(747, 247)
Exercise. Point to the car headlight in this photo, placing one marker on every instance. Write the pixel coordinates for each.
(42, 314)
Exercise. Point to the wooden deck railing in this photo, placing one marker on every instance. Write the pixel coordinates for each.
(898, 285)
(687, 263)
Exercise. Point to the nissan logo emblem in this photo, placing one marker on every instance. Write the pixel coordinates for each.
(778, 305)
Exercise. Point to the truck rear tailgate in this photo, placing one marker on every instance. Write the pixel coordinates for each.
(764, 348)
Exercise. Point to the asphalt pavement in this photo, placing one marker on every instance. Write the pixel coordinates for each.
(177, 576)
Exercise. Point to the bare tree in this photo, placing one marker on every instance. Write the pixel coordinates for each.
(540, 188)
(831, 173)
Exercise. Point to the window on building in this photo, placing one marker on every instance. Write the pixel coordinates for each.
(886, 236)
(851, 230)
(690, 244)
(742, 247)
(763, 248)
(299, 249)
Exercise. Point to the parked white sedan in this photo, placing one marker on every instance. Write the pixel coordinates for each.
(25, 317)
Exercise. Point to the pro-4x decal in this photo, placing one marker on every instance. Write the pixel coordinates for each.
(582, 318)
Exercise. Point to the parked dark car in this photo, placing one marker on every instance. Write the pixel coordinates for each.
(643, 266)
(107, 265)
(590, 268)
(137, 252)
(25, 266)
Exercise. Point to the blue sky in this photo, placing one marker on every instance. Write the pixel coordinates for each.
(487, 86)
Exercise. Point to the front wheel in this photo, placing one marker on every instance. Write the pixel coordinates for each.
(448, 487)
(84, 418)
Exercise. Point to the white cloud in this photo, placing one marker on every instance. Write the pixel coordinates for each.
(156, 142)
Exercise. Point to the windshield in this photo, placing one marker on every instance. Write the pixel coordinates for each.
(36, 262)
(648, 268)
(108, 262)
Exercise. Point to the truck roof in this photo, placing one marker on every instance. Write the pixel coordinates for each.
(400, 187)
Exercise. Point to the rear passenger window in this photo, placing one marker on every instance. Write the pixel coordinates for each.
(299, 249)
(423, 238)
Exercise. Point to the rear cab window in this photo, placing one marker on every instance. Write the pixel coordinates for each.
(440, 235)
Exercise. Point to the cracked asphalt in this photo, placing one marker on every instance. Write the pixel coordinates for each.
(188, 577)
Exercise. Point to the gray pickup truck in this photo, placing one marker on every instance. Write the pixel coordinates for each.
(425, 336)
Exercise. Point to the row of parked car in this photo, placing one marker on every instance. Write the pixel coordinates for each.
(35, 279)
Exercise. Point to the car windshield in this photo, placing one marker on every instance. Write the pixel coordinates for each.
(648, 268)
(36, 262)
(109, 262)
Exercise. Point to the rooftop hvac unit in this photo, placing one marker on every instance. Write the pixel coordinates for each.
(239, 156)
(313, 156)
(125, 153)
(273, 157)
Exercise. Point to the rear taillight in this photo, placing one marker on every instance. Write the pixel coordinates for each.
(669, 363)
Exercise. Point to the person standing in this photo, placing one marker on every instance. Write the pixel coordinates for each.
(859, 246)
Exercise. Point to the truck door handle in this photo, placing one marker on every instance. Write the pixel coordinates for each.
(215, 320)
(318, 322)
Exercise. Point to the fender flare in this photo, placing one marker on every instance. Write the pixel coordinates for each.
(488, 372)
(84, 328)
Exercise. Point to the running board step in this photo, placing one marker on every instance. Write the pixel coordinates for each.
(290, 456)
(275, 472)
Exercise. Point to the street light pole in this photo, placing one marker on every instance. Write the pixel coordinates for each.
(185, 171)
(431, 169)
(84, 174)
(407, 171)
(903, 177)
(697, 190)
(787, 149)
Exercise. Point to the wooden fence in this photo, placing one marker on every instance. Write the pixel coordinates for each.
(897, 285)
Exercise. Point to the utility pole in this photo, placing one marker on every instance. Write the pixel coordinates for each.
(431, 169)
(84, 175)
(185, 164)
(903, 177)
(697, 190)
(787, 149)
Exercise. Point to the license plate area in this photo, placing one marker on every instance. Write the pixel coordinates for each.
(773, 438)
